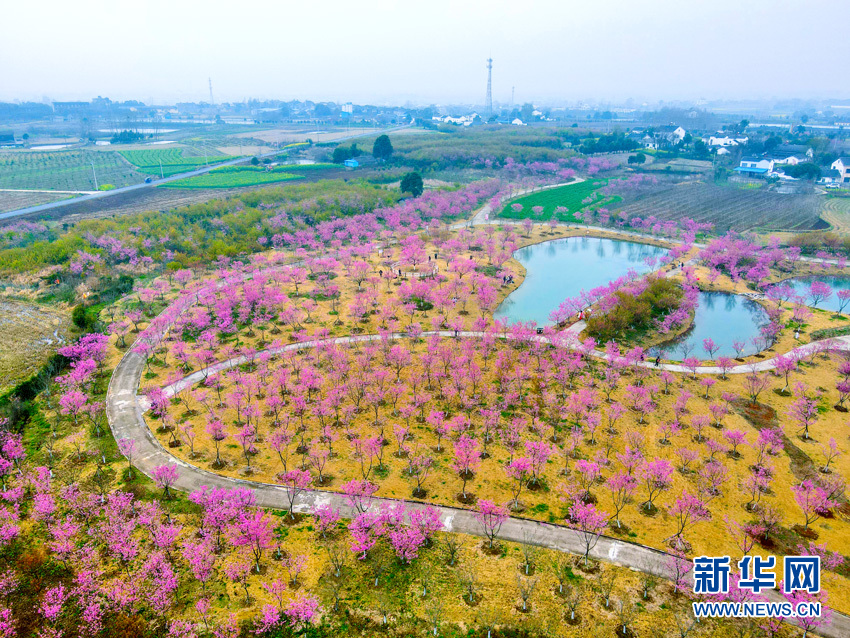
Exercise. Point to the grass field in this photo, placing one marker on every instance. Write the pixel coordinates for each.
(233, 177)
(65, 170)
(571, 196)
(170, 160)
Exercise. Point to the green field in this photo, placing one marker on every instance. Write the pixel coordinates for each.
(307, 167)
(571, 196)
(173, 160)
(233, 177)
(65, 170)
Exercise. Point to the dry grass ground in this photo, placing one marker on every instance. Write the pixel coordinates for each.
(28, 335)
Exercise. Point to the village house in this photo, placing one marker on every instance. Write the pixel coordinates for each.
(755, 166)
(723, 142)
(842, 165)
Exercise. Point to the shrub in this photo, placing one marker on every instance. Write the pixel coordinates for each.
(628, 314)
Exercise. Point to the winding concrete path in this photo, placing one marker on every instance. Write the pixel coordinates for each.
(125, 412)
(838, 343)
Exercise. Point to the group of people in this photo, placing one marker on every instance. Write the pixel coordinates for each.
(507, 279)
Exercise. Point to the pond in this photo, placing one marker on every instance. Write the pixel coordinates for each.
(801, 286)
(562, 268)
(722, 317)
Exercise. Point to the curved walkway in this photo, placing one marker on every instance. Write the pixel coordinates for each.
(126, 420)
(570, 341)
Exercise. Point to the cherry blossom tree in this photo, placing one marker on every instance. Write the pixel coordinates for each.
(295, 481)
(588, 523)
(491, 517)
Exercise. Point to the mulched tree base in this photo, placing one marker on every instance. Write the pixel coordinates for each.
(476, 600)
(805, 533)
(466, 499)
(286, 519)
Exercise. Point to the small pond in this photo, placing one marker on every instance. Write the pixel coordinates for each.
(801, 286)
(562, 268)
(724, 318)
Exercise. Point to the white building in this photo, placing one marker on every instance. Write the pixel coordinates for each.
(842, 165)
(755, 167)
(726, 141)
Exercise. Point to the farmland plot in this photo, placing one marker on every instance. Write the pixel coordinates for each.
(14, 200)
(729, 208)
(69, 170)
(233, 177)
(836, 211)
(170, 161)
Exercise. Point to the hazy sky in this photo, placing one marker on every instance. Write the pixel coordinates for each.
(425, 51)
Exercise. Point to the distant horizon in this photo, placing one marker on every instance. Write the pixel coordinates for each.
(628, 104)
(384, 52)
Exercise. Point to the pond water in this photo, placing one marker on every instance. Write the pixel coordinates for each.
(801, 287)
(722, 317)
(562, 268)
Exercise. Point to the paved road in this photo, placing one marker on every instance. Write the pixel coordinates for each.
(158, 182)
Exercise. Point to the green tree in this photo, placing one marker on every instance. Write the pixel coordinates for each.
(639, 158)
(412, 183)
(382, 149)
(254, 161)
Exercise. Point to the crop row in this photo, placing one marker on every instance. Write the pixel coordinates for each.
(729, 208)
(64, 170)
(232, 177)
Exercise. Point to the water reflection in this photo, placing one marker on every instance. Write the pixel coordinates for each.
(724, 318)
(562, 268)
(801, 287)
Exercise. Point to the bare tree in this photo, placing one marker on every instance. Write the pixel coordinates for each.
(563, 570)
(379, 564)
(425, 578)
(385, 606)
(451, 549)
(648, 582)
(338, 557)
(526, 587)
(530, 553)
(573, 595)
(606, 585)
(685, 620)
(468, 578)
(434, 614)
(332, 589)
(626, 614)
(488, 618)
